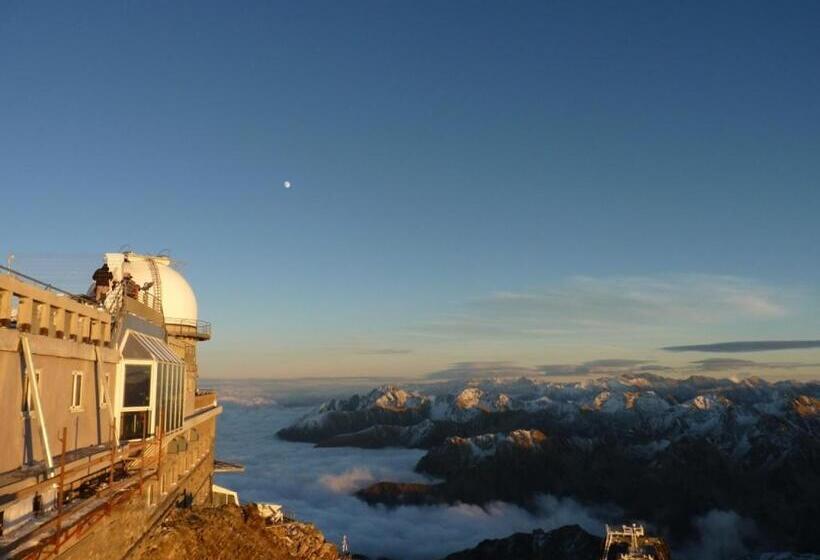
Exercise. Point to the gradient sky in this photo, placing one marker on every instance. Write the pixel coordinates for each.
(532, 182)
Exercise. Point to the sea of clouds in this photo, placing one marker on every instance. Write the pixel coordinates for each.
(315, 485)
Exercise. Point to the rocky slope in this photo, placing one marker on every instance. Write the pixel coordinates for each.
(664, 450)
(230, 532)
(571, 542)
(567, 543)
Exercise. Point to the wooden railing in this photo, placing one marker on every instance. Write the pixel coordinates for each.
(43, 312)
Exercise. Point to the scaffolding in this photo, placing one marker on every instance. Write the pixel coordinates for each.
(638, 545)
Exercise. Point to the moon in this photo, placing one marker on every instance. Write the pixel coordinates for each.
(286, 184)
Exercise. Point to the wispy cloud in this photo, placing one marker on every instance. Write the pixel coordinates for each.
(492, 369)
(470, 370)
(383, 351)
(606, 367)
(613, 305)
(746, 346)
(598, 367)
(724, 364)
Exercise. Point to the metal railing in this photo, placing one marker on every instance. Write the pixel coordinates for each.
(44, 285)
(202, 328)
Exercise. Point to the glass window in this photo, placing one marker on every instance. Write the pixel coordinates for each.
(137, 385)
(77, 390)
(133, 424)
(104, 391)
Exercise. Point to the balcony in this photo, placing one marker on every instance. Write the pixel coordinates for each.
(188, 328)
(204, 399)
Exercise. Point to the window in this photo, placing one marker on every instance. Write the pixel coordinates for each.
(150, 499)
(134, 424)
(77, 391)
(28, 395)
(170, 395)
(137, 385)
(104, 387)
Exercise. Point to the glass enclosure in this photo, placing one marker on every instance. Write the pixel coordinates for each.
(153, 388)
(137, 385)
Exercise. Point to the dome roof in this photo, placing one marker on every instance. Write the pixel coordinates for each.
(177, 297)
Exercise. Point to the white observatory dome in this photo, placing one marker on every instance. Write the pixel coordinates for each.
(171, 288)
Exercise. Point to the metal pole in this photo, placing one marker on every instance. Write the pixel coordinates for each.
(35, 390)
(161, 434)
(113, 452)
(142, 453)
(60, 495)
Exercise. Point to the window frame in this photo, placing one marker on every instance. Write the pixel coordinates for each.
(76, 392)
(149, 409)
(105, 382)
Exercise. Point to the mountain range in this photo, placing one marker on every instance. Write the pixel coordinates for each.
(665, 451)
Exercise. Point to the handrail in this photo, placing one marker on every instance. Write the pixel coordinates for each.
(30, 308)
(42, 284)
(202, 327)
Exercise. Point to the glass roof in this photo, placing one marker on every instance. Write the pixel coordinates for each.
(149, 346)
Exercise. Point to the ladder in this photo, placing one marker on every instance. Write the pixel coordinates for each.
(155, 277)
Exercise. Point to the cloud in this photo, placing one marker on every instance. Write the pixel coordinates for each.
(613, 305)
(348, 481)
(720, 364)
(721, 534)
(384, 351)
(746, 346)
(311, 483)
(486, 369)
(723, 364)
(598, 367)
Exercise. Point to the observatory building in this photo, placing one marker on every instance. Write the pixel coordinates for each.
(103, 428)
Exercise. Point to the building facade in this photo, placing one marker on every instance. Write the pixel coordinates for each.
(103, 429)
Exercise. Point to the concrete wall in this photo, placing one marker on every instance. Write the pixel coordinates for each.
(56, 359)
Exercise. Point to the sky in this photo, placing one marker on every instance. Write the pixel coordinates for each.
(521, 183)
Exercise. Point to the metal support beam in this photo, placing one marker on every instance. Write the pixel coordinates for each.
(108, 393)
(35, 390)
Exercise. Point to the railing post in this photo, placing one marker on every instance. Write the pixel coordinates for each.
(85, 328)
(46, 320)
(60, 489)
(5, 307)
(106, 333)
(25, 312)
(58, 324)
(40, 318)
(72, 325)
(96, 331)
